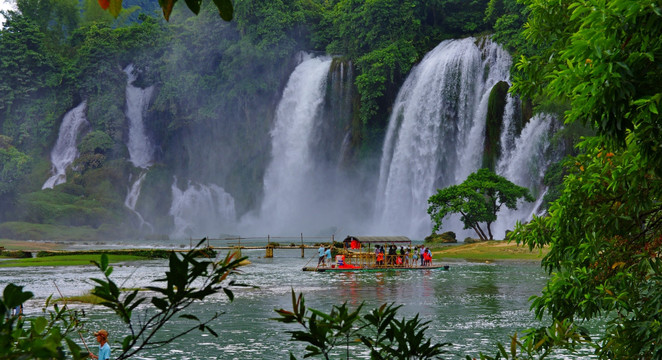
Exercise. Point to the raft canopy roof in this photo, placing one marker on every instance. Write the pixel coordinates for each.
(380, 239)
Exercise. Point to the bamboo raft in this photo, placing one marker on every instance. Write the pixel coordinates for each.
(351, 258)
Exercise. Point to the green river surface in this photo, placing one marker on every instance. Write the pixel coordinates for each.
(472, 306)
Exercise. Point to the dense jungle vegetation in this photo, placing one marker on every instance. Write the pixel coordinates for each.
(217, 83)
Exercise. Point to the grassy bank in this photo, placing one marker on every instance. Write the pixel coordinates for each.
(67, 260)
(489, 251)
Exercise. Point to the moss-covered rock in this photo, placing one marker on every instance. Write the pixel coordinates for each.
(494, 123)
(448, 237)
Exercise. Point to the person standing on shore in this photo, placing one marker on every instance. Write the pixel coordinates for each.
(104, 348)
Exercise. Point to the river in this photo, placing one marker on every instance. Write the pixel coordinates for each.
(472, 306)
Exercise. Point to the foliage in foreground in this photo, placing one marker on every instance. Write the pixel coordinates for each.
(189, 279)
(605, 231)
(478, 200)
(379, 332)
(40, 337)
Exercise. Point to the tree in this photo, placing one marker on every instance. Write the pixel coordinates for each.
(478, 200)
(602, 58)
(605, 239)
(604, 233)
(384, 336)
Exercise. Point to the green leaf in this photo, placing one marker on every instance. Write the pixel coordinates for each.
(194, 5)
(14, 295)
(225, 9)
(160, 303)
(115, 7)
(39, 324)
(104, 262)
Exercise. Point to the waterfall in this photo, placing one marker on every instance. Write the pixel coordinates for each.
(139, 145)
(290, 195)
(436, 131)
(132, 199)
(524, 164)
(201, 210)
(65, 152)
(137, 101)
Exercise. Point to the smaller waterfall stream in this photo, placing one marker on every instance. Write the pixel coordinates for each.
(201, 210)
(132, 199)
(65, 152)
(139, 145)
(524, 164)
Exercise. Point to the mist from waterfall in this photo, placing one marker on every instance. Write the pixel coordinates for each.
(436, 132)
(201, 210)
(65, 151)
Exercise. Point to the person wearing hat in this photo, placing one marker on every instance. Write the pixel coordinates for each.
(104, 348)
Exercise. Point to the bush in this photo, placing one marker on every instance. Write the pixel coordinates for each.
(18, 254)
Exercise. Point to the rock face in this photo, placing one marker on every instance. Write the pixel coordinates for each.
(494, 124)
(444, 238)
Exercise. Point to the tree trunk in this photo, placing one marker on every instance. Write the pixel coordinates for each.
(480, 232)
(489, 230)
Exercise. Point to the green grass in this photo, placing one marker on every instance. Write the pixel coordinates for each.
(67, 260)
(489, 251)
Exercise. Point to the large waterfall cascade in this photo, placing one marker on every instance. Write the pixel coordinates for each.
(305, 187)
(140, 147)
(65, 151)
(435, 138)
(287, 186)
(436, 133)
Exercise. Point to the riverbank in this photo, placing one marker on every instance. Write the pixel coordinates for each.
(481, 251)
(489, 251)
(67, 260)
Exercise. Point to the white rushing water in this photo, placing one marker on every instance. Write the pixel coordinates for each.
(132, 198)
(524, 164)
(436, 131)
(141, 150)
(201, 210)
(140, 146)
(289, 191)
(65, 152)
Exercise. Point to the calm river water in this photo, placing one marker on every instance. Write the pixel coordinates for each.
(473, 305)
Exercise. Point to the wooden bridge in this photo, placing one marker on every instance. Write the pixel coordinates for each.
(272, 243)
